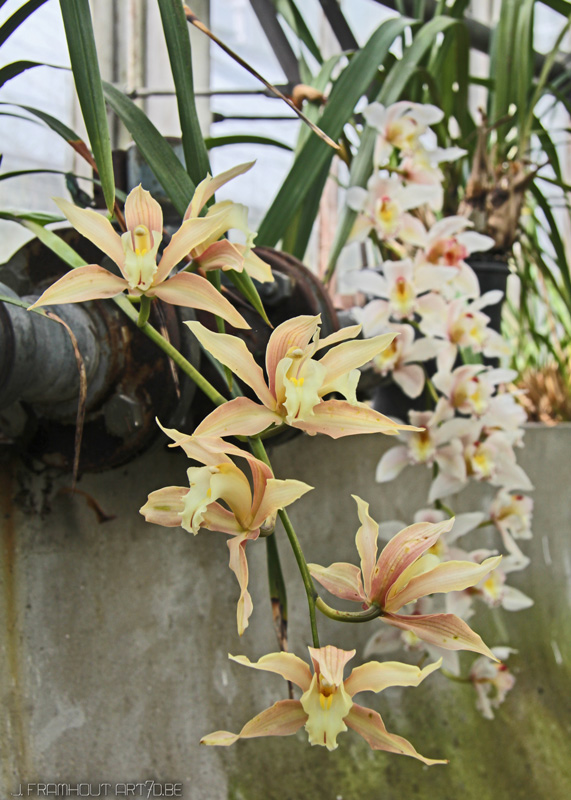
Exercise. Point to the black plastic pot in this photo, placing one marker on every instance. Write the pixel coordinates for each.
(492, 273)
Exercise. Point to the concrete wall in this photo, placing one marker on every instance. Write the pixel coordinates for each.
(115, 639)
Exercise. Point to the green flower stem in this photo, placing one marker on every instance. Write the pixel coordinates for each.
(443, 507)
(172, 352)
(306, 577)
(144, 310)
(348, 616)
(258, 449)
(431, 389)
(452, 677)
(256, 446)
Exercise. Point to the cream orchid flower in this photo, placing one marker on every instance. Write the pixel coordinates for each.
(326, 707)
(297, 383)
(383, 207)
(492, 682)
(249, 510)
(213, 254)
(400, 125)
(404, 572)
(135, 253)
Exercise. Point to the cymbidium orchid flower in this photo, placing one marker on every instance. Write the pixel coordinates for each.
(469, 389)
(512, 514)
(399, 285)
(404, 572)
(447, 245)
(398, 359)
(494, 590)
(492, 681)
(400, 125)
(326, 707)
(420, 447)
(248, 509)
(297, 383)
(213, 254)
(135, 253)
(421, 167)
(383, 207)
(488, 457)
(461, 324)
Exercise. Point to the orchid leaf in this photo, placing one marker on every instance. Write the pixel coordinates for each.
(154, 148)
(178, 45)
(244, 283)
(290, 12)
(19, 16)
(85, 66)
(244, 138)
(315, 154)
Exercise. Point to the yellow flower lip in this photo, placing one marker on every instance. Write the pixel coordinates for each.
(142, 239)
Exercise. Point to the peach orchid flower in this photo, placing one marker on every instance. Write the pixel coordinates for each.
(326, 706)
(135, 253)
(297, 383)
(404, 572)
(249, 510)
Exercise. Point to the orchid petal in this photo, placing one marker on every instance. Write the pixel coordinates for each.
(191, 234)
(230, 484)
(368, 724)
(165, 506)
(366, 540)
(278, 494)
(233, 353)
(142, 209)
(238, 417)
(451, 576)
(256, 267)
(289, 666)
(330, 661)
(341, 579)
(221, 255)
(350, 355)
(392, 464)
(210, 185)
(337, 418)
(218, 518)
(410, 378)
(282, 719)
(403, 550)
(239, 566)
(294, 333)
(375, 676)
(90, 282)
(194, 291)
(443, 630)
(350, 332)
(94, 227)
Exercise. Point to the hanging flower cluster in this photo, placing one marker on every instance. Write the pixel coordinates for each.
(430, 297)
(310, 383)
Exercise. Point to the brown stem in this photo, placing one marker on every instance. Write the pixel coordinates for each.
(192, 19)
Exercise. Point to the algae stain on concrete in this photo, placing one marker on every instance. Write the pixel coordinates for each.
(12, 728)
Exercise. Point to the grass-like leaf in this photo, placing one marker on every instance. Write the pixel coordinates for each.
(177, 38)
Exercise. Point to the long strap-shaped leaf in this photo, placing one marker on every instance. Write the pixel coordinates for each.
(177, 38)
(85, 66)
(349, 87)
(154, 148)
(21, 14)
(393, 87)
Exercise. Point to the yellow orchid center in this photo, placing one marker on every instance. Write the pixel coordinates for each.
(326, 706)
(143, 240)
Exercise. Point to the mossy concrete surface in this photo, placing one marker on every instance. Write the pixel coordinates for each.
(115, 636)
